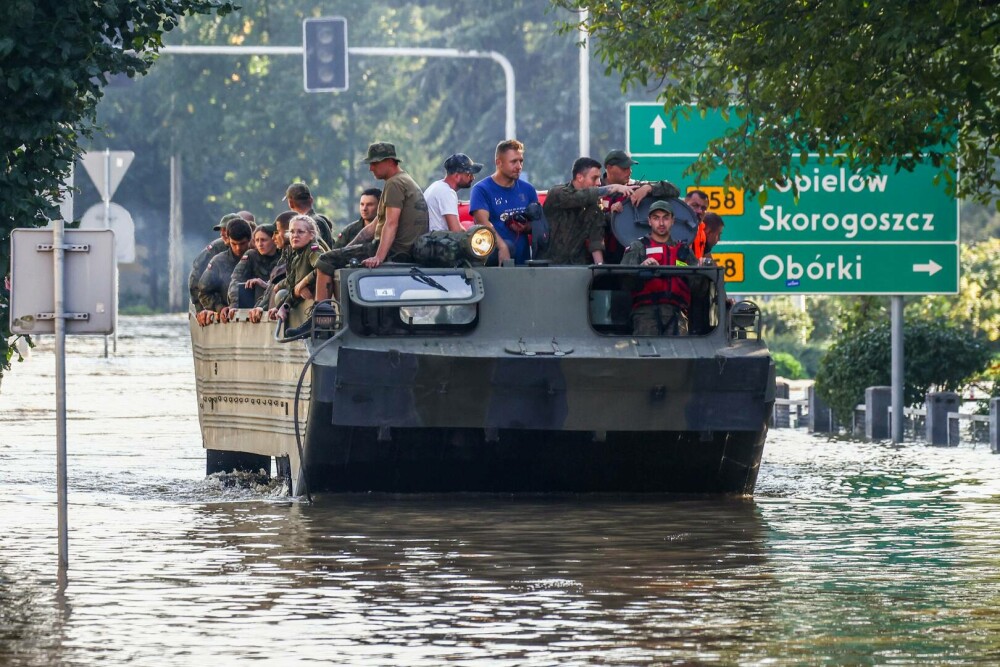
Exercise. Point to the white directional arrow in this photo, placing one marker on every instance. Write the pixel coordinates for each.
(658, 126)
(930, 268)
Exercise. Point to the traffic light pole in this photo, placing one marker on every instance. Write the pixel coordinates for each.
(508, 69)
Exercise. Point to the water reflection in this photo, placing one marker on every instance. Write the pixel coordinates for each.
(851, 553)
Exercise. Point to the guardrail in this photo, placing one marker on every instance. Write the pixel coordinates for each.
(939, 422)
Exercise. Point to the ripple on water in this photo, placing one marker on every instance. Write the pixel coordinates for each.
(851, 553)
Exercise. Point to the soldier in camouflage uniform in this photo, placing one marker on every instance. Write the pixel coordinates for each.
(576, 222)
(213, 286)
(253, 271)
(618, 169)
(299, 280)
(300, 200)
(368, 207)
(660, 306)
(206, 255)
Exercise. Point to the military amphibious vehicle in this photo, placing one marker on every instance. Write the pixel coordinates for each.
(491, 379)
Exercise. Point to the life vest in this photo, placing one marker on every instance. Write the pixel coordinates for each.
(700, 241)
(672, 290)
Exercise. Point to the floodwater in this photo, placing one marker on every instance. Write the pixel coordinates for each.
(850, 553)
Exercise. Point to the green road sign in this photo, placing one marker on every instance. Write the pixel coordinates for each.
(839, 268)
(884, 219)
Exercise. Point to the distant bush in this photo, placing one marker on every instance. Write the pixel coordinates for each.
(934, 355)
(787, 366)
(807, 354)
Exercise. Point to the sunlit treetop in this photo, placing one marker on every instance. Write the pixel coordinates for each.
(869, 85)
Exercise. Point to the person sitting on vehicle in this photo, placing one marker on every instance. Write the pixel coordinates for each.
(661, 305)
(499, 202)
(400, 220)
(300, 277)
(206, 255)
(281, 242)
(213, 286)
(253, 270)
(300, 200)
(442, 195)
(368, 208)
(573, 211)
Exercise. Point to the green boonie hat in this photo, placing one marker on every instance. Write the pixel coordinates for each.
(380, 151)
(661, 206)
(618, 158)
(226, 219)
(297, 191)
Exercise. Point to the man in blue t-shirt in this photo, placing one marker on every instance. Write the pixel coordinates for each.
(495, 199)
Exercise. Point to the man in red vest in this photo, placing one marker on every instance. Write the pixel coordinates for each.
(660, 306)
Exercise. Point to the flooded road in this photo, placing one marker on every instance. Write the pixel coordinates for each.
(850, 553)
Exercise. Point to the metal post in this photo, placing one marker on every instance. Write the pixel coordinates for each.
(58, 258)
(175, 290)
(106, 198)
(896, 327)
(584, 55)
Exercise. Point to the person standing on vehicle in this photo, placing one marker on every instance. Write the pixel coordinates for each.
(368, 208)
(442, 195)
(573, 211)
(496, 202)
(401, 218)
(300, 200)
(618, 169)
(661, 305)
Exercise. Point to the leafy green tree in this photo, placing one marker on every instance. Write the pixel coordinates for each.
(977, 304)
(936, 354)
(55, 58)
(780, 317)
(885, 83)
(243, 127)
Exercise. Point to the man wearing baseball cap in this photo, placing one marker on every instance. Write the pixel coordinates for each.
(300, 200)
(442, 195)
(660, 306)
(618, 169)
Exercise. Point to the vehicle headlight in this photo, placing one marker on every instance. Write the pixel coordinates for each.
(481, 241)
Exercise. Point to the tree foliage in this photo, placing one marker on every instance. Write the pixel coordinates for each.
(977, 304)
(864, 84)
(935, 354)
(56, 56)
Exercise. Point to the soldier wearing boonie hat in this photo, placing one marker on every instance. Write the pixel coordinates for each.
(401, 218)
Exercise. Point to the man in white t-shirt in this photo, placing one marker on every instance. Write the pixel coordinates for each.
(442, 196)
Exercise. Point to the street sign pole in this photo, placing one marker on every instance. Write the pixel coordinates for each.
(896, 328)
(58, 294)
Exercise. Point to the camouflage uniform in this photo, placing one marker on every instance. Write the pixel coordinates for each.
(348, 233)
(323, 225)
(213, 286)
(575, 221)
(251, 265)
(276, 279)
(301, 264)
(198, 268)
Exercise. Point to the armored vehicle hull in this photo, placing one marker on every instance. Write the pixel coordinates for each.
(523, 379)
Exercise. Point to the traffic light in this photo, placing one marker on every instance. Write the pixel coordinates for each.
(324, 54)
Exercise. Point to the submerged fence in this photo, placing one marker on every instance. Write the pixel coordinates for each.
(940, 422)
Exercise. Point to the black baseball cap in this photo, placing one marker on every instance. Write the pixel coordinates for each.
(460, 163)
